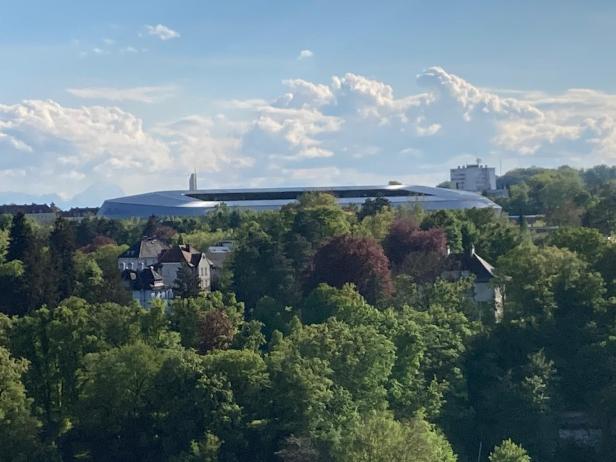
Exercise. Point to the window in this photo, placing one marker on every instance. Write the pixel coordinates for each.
(294, 195)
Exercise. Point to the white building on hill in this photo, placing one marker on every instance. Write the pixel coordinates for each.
(474, 177)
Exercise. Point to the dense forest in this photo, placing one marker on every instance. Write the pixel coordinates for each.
(332, 335)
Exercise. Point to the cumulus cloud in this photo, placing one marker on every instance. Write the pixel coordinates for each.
(162, 32)
(352, 129)
(151, 94)
(97, 142)
(305, 54)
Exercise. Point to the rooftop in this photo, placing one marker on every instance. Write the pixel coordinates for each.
(184, 253)
(146, 248)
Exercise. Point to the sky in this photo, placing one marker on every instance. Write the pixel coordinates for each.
(101, 99)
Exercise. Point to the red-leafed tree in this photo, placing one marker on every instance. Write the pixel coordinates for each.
(216, 331)
(357, 260)
(97, 242)
(405, 238)
(419, 253)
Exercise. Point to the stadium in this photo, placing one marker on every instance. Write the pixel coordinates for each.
(195, 202)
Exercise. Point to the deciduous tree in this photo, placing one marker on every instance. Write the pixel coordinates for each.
(348, 259)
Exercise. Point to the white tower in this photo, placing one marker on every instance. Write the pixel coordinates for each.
(192, 182)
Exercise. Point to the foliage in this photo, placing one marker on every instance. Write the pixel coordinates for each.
(545, 282)
(405, 238)
(187, 283)
(361, 261)
(21, 238)
(508, 451)
(318, 358)
(380, 438)
(18, 428)
(62, 247)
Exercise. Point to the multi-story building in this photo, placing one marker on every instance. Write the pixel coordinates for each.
(185, 255)
(474, 177)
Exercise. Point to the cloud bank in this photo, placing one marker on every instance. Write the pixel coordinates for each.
(150, 94)
(350, 130)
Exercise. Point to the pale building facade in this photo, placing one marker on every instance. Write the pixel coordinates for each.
(172, 260)
(474, 178)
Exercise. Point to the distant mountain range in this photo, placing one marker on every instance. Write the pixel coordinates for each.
(93, 196)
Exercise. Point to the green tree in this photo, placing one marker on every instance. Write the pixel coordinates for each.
(542, 283)
(4, 243)
(11, 286)
(106, 258)
(55, 342)
(191, 412)
(260, 267)
(245, 373)
(115, 417)
(372, 207)
(375, 226)
(518, 398)
(19, 429)
(187, 283)
(380, 438)
(188, 316)
(305, 398)
(561, 195)
(587, 243)
(508, 451)
(21, 238)
(602, 213)
(62, 247)
(90, 282)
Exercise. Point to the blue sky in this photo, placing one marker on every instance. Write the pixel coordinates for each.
(125, 97)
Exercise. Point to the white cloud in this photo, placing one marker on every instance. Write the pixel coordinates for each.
(305, 54)
(162, 32)
(129, 50)
(302, 93)
(148, 94)
(101, 141)
(351, 130)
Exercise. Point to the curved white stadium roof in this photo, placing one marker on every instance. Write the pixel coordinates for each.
(200, 202)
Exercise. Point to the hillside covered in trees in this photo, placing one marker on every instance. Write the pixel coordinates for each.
(333, 335)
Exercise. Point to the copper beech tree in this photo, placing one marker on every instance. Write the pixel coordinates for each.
(357, 260)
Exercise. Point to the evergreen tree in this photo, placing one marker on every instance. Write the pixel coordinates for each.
(151, 226)
(21, 238)
(62, 247)
(187, 283)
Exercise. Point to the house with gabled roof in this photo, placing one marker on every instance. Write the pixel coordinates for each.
(172, 259)
(485, 291)
(142, 255)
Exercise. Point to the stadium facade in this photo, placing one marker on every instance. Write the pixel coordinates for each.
(195, 202)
